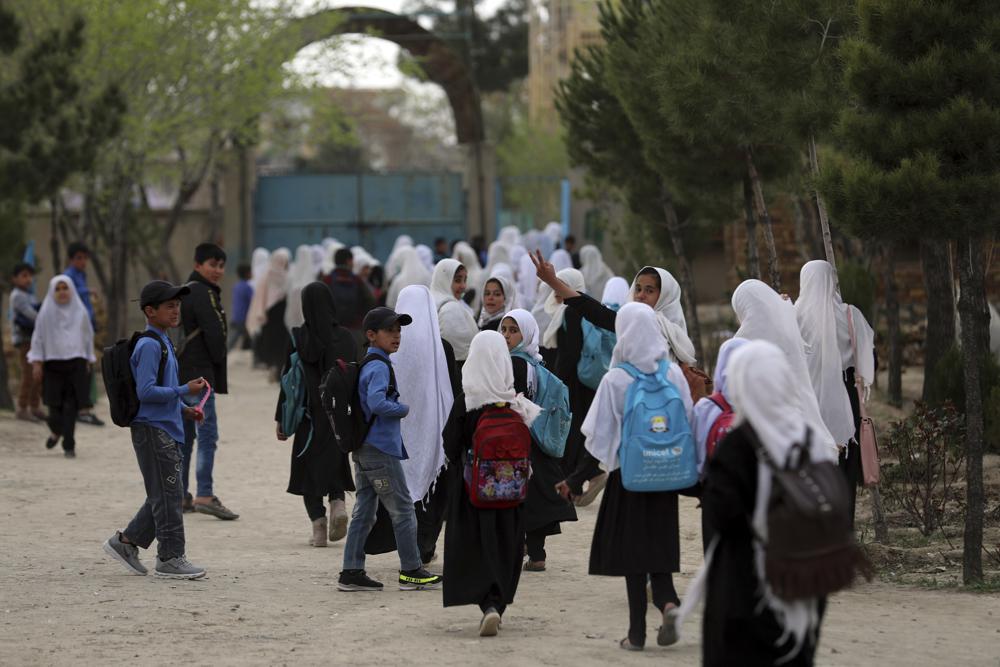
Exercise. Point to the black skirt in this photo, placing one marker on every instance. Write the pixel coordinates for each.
(636, 533)
(544, 508)
(65, 376)
(274, 339)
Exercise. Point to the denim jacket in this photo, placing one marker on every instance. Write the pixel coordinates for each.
(373, 384)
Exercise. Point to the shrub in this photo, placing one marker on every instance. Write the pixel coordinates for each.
(948, 386)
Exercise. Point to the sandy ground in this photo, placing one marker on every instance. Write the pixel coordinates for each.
(269, 598)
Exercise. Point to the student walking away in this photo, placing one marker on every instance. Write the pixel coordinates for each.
(61, 354)
(596, 273)
(157, 432)
(426, 374)
(302, 272)
(79, 257)
(826, 325)
(616, 293)
(484, 541)
(377, 469)
(458, 327)
(499, 298)
(637, 532)
(203, 353)
(544, 508)
(764, 315)
(319, 469)
(763, 585)
(266, 319)
(23, 313)
(242, 295)
(352, 297)
(412, 271)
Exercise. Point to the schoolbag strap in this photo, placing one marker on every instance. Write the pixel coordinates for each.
(720, 401)
(630, 369)
(371, 356)
(164, 354)
(521, 354)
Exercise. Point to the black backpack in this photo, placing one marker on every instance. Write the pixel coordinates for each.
(341, 401)
(810, 550)
(119, 383)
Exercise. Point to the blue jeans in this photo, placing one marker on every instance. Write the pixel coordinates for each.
(208, 436)
(379, 478)
(160, 516)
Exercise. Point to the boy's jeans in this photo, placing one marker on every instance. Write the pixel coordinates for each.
(379, 478)
(208, 436)
(160, 516)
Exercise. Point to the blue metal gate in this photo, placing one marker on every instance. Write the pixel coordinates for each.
(370, 210)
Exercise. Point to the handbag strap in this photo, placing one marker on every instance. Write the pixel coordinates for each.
(858, 382)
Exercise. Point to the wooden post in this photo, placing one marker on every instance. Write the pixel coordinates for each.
(758, 189)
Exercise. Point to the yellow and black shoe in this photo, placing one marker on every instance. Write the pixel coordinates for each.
(419, 580)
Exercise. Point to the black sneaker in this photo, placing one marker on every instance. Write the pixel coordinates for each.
(357, 580)
(419, 580)
(70, 454)
(89, 418)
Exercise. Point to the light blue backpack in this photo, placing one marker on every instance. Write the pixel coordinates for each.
(551, 428)
(657, 452)
(595, 355)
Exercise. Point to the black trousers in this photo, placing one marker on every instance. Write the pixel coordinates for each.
(535, 542)
(663, 594)
(65, 385)
(161, 516)
(314, 504)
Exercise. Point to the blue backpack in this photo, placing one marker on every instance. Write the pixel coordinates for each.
(595, 356)
(657, 452)
(293, 408)
(551, 428)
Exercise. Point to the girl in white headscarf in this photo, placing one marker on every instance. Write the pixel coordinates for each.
(469, 258)
(426, 256)
(458, 327)
(394, 264)
(527, 283)
(499, 298)
(637, 534)
(561, 260)
(710, 408)
(266, 317)
(510, 235)
(483, 548)
(744, 622)
(544, 508)
(554, 232)
(302, 272)
(498, 253)
(595, 272)
(258, 266)
(616, 293)
(412, 272)
(764, 315)
(62, 350)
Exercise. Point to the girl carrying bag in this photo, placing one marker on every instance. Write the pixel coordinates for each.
(870, 471)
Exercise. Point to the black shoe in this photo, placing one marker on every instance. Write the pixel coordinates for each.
(70, 454)
(357, 580)
(419, 580)
(51, 442)
(187, 505)
(89, 418)
(216, 509)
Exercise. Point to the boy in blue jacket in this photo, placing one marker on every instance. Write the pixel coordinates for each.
(378, 473)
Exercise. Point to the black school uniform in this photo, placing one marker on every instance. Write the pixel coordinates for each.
(273, 341)
(493, 324)
(321, 469)
(570, 345)
(734, 633)
(544, 508)
(65, 389)
(483, 549)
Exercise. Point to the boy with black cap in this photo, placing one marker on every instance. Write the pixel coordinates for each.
(378, 473)
(157, 433)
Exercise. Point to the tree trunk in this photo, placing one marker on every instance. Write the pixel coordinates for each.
(895, 334)
(824, 220)
(54, 233)
(936, 264)
(6, 400)
(753, 256)
(689, 297)
(975, 335)
(772, 253)
(878, 516)
(801, 235)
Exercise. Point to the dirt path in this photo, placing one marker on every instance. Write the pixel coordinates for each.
(271, 599)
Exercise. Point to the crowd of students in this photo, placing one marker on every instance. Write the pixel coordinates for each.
(442, 342)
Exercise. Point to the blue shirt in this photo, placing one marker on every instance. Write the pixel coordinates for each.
(159, 406)
(242, 295)
(373, 383)
(79, 279)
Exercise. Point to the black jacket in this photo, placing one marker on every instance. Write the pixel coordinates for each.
(205, 354)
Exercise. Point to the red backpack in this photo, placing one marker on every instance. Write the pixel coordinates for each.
(722, 425)
(498, 466)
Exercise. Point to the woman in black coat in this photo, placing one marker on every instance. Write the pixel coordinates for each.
(318, 467)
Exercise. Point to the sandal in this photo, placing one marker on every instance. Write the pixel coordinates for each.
(593, 489)
(629, 646)
(534, 566)
(667, 635)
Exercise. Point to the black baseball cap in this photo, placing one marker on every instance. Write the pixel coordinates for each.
(383, 318)
(158, 291)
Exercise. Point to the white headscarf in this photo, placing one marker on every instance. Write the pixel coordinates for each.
(595, 272)
(705, 410)
(639, 345)
(553, 230)
(517, 253)
(258, 265)
(272, 289)
(670, 315)
(362, 259)
(615, 292)
(822, 318)
(764, 315)
(394, 264)
(498, 253)
(62, 331)
(529, 332)
(561, 259)
(509, 298)
(510, 235)
(557, 310)
(864, 362)
(318, 253)
(422, 377)
(488, 377)
(538, 310)
(301, 273)
(458, 327)
(469, 258)
(426, 256)
(412, 272)
(527, 282)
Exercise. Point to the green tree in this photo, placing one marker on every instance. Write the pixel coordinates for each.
(923, 161)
